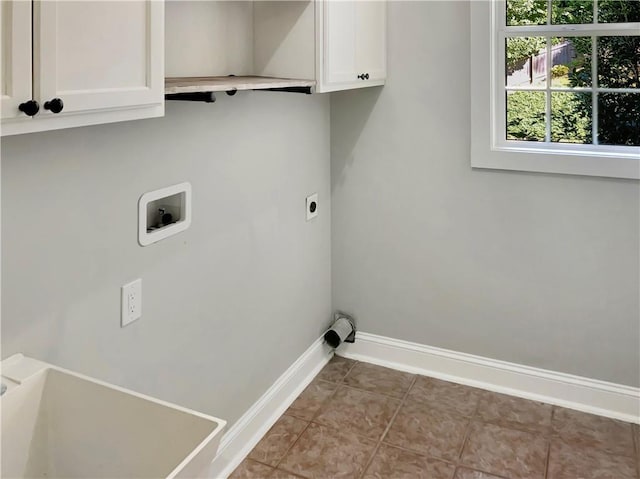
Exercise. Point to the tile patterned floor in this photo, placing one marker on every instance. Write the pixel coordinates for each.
(360, 421)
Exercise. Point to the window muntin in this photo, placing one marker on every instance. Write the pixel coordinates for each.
(555, 92)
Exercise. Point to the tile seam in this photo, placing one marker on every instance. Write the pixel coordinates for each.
(386, 430)
(467, 432)
(289, 449)
(310, 421)
(478, 419)
(547, 459)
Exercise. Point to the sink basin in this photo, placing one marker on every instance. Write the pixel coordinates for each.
(59, 424)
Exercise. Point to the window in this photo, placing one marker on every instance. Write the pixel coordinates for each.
(556, 86)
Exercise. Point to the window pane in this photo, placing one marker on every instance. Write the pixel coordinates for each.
(526, 115)
(619, 62)
(571, 11)
(619, 119)
(571, 117)
(617, 11)
(526, 62)
(526, 12)
(571, 62)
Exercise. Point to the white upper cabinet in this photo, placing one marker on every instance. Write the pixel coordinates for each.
(93, 62)
(352, 49)
(339, 53)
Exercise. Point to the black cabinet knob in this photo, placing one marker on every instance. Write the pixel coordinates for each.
(363, 76)
(29, 108)
(54, 106)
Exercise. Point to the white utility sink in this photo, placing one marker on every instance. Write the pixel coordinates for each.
(59, 424)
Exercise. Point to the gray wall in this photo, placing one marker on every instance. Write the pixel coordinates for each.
(536, 269)
(229, 304)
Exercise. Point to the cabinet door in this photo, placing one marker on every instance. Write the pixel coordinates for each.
(371, 41)
(339, 41)
(97, 55)
(353, 48)
(15, 47)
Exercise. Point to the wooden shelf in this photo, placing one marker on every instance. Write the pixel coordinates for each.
(228, 83)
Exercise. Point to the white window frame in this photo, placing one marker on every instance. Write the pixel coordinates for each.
(489, 147)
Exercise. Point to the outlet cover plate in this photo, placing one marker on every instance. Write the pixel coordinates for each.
(131, 302)
(312, 206)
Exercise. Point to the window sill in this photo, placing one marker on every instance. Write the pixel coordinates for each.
(551, 160)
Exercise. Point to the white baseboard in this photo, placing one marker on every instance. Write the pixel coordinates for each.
(242, 437)
(588, 395)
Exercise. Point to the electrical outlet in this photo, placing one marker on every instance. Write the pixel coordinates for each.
(131, 302)
(312, 206)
